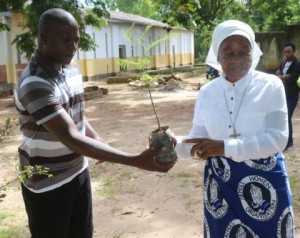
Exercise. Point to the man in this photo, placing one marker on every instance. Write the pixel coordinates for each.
(57, 136)
(289, 71)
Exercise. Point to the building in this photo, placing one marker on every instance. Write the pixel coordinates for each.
(272, 44)
(172, 47)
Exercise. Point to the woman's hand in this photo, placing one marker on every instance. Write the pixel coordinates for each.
(205, 148)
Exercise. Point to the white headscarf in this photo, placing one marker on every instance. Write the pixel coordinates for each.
(223, 31)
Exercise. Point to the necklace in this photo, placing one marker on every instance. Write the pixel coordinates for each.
(235, 134)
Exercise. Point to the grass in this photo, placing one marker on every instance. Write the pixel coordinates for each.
(295, 187)
(117, 235)
(106, 188)
(8, 229)
(11, 232)
(3, 216)
(290, 158)
(184, 178)
(183, 175)
(126, 175)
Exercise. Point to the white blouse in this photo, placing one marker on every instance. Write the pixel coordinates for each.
(261, 121)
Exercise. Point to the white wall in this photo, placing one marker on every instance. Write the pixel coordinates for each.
(117, 34)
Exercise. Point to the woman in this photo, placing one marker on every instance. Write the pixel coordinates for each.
(240, 128)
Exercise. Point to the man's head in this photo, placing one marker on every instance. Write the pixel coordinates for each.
(58, 35)
(289, 51)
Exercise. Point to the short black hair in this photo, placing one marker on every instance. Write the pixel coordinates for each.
(290, 44)
(54, 16)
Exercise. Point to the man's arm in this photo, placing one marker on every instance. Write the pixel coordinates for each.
(63, 127)
(294, 74)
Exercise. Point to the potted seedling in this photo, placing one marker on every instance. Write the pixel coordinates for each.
(161, 138)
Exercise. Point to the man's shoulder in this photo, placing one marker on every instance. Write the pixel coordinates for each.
(297, 63)
(32, 73)
(32, 81)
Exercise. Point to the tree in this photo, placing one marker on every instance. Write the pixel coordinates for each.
(272, 14)
(203, 15)
(192, 13)
(145, 8)
(198, 15)
(31, 10)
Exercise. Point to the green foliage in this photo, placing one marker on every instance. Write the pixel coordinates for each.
(10, 232)
(148, 80)
(4, 27)
(146, 8)
(273, 15)
(139, 63)
(92, 19)
(192, 13)
(9, 5)
(203, 15)
(4, 215)
(9, 227)
(26, 172)
(26, 42)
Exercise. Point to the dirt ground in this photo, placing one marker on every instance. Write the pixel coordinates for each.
(130, 203)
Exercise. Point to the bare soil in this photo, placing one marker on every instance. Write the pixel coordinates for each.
(131, 203)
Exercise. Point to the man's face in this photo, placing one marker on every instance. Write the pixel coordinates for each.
(288, 52)
(235, 57)
(60, 43)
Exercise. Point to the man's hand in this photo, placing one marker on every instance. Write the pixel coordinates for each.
(205, 148)
(146, 160)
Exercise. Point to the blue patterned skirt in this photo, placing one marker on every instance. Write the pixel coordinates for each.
(247, 199)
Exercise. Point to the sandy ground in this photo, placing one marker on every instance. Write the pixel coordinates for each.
(130, 203)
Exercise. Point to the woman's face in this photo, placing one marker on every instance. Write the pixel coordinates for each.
(235, 57)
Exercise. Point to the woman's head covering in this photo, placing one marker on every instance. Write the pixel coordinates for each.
(223, 31)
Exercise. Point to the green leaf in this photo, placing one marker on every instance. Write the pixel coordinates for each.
(92, 19)
(148, 79)
(25, 43)
(4, 27)
(86, 42)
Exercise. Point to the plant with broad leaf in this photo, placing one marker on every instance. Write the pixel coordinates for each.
(141, 64)
(160, 138)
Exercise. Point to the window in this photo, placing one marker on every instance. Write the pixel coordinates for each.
(122, 51)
